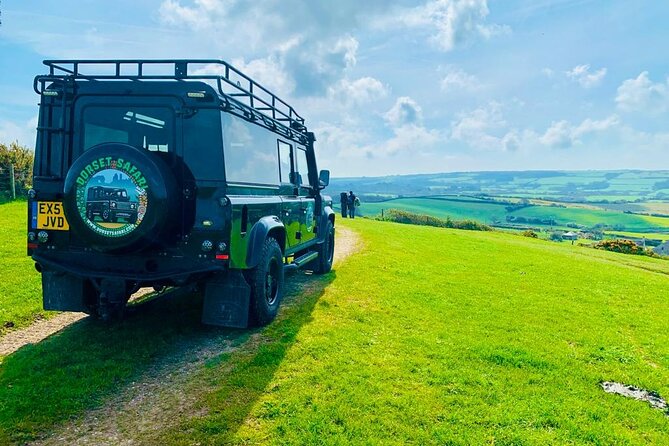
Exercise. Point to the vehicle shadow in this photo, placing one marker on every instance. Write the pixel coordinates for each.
(81, 367)
(235, 385)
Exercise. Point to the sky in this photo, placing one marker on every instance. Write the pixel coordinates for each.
(409, 86)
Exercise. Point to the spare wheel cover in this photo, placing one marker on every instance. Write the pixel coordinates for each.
(117, 196)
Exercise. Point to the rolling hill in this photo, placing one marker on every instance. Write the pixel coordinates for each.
(425, 336)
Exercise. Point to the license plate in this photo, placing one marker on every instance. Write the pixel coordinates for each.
(49, 215)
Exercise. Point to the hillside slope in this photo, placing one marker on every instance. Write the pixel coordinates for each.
(433, 336)
(426, 336)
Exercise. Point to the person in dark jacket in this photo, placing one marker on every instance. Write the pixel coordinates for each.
(351, 204)
(344, 203)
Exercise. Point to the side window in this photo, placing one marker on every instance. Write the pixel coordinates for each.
(285, 162)
(302, 168)
(249, 152)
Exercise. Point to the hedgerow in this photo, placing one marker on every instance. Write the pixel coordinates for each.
(399, 216)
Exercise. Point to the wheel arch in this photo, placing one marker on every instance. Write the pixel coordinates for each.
(265, 227)
(328, 214)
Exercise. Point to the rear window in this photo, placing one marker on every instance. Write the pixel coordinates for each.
(151, 128)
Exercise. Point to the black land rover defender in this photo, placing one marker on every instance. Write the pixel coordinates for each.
(172, 173)
(110, 203)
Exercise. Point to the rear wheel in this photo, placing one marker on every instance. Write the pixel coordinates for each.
(266, 282)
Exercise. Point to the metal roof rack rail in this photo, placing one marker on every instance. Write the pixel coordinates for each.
(237, 89)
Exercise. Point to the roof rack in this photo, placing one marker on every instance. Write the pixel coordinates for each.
(232, 84)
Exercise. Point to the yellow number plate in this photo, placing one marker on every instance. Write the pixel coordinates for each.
(50, 215)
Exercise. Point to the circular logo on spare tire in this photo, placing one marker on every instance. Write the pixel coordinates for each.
(111, 196)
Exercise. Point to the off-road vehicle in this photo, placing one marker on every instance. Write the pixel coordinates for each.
(155, 173)
(110, 203)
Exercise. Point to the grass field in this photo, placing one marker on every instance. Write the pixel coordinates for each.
(20, 287)
(489, 212)
(427, 336)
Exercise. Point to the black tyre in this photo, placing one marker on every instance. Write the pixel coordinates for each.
(105, 215)
(323, 264)
(266, 282)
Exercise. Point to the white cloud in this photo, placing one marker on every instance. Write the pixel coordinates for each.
(316, 65)
(642, 94)
(23, 132)
(410, 138)
(512, 141)
(563, 135)
(559, 135)
(582, 75)
(457, 79)
(268, 72)
(405, 112)
(484, 128)
(452, 22)
(359, 91)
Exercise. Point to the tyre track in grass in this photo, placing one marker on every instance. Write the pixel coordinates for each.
(157, 399)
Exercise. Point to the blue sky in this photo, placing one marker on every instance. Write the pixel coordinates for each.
(395, 87)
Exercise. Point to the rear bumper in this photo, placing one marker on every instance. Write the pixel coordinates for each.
(136, 268)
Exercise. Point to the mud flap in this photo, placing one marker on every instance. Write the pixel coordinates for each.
(226, 301)
(62, 292)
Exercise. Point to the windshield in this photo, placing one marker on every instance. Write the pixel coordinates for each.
(151, 128)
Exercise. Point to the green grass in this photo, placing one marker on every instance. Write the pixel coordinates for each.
(426, 336)
(20, 287)
(483, 211)
(438, 336)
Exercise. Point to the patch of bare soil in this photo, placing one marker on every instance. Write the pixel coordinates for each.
(157, 400)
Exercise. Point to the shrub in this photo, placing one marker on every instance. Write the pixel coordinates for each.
(399, 216)
(22, 159)
(530, 233)
(624, 246)
(556, 237)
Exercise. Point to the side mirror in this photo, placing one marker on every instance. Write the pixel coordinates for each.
(324, 178)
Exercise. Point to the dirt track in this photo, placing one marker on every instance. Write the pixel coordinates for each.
(155, 401)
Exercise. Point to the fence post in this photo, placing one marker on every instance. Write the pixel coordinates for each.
(12, 186)
(381, 213)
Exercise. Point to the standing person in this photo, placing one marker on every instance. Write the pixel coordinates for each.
(351, 204)
(344, 203)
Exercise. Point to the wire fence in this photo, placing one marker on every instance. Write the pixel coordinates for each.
(14, 182)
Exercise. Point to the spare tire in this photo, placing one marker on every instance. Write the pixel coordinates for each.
(119, 197)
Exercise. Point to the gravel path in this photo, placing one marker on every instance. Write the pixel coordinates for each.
(38, 331)
(157, 400)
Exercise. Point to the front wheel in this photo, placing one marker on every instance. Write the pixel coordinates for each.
(266, 282)
(323, 264)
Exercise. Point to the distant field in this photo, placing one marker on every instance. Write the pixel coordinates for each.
(648, 235)
(580, 186)
(485, 212)
(490, 212)
(588, 217)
